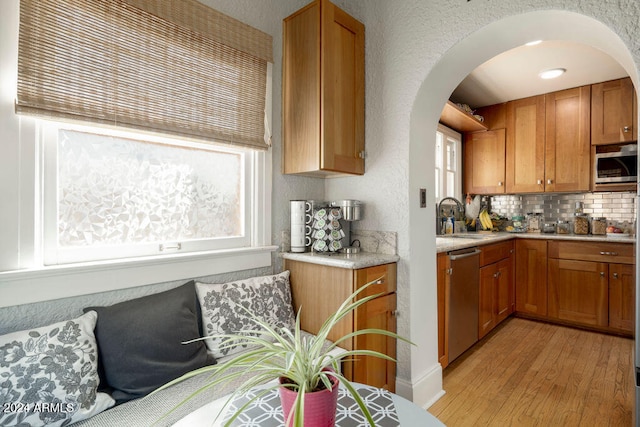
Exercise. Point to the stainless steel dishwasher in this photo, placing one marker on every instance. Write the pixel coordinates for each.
(464, 294)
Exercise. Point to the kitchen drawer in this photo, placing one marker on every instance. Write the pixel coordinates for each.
(495, 252)
(385, 275)
(620, 253)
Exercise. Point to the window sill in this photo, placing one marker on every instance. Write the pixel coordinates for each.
(54, 282)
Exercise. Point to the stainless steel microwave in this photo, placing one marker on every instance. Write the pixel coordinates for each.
(617, 167)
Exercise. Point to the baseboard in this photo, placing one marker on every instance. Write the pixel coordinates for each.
(425, 390)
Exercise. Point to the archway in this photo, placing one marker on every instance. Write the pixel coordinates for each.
(452, 68)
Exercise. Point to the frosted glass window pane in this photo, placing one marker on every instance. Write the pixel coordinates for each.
(114, 191)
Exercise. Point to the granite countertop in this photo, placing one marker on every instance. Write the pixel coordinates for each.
(350, 261)
(461, 241)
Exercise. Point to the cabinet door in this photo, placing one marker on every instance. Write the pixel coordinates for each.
(443, 305)
(504, 299)
(342, 88)
(579, 292)
(378, 313)
(525, 145)
(496, 295)
(301, 91)
(568, 147)
(484, 157)
(531, 277)
(612, 112)
(318, 290)
(622, 297)
(322, 92)
(487, 303)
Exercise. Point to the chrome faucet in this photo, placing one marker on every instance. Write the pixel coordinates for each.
(459, 215)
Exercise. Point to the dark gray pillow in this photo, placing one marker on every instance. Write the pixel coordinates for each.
(140, 341)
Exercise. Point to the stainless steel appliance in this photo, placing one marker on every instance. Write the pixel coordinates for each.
(464, 295)
(352, 210)
(618, 166)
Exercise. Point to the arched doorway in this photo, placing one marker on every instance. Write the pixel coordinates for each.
(453, 67)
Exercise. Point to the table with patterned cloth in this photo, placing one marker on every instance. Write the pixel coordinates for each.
(387, 410)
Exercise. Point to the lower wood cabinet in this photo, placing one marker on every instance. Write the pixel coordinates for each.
(592, 284)
(318, 290)
(579, 292)
(531, 277)
(496, 287)
(622, 297)
(443, 265)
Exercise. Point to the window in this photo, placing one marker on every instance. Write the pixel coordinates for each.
(113, 195)
(149, 69)
(448, 163)
(173, 81)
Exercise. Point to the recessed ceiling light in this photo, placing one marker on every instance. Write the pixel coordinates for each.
(533, 43)
(552, 73)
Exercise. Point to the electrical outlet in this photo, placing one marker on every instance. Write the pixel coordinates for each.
(423, 197)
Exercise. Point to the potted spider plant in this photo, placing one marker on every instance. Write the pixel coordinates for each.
(305, 368)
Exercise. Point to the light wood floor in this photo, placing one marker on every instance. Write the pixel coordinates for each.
(528, 373)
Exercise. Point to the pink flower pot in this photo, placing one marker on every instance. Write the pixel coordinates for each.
(319, 407)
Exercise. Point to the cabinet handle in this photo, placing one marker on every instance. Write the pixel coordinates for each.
(379, 282)
(602, 274)
(539, 182)
(395, 313)
(615, 275)
(499, 183)
(626, 129)
(609, 253)
(362, 154)
(549, 181)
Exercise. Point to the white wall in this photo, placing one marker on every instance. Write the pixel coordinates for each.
(417, 53)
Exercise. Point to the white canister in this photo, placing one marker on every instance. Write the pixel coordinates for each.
(298, 226)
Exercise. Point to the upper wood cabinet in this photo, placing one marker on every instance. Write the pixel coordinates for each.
(323, 92)
(548, 146)
(613, 111)
(525, 154)
(484, 160)
(567, 163)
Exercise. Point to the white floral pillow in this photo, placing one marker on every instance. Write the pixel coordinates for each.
(269, 297)
(49, 375)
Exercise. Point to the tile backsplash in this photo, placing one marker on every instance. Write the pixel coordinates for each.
(619, 207)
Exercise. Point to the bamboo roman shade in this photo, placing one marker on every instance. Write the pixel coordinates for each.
(174, 67)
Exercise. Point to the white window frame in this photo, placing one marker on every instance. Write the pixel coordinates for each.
(25, 279)
(449, 136)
